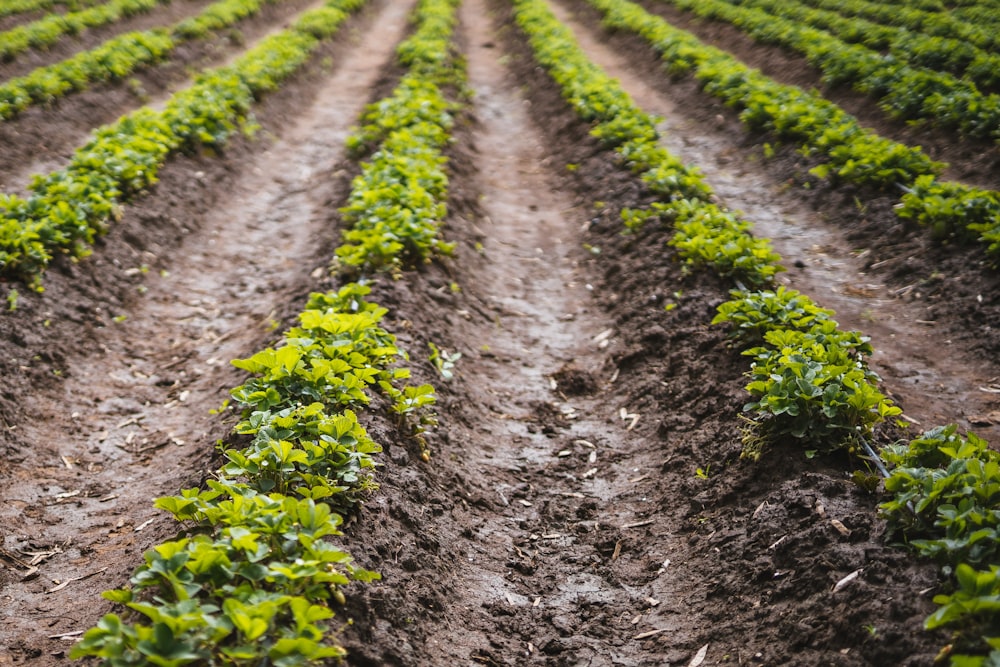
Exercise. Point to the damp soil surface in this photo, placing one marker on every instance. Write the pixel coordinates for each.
(584, 502)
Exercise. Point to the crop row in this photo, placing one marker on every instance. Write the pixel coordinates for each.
(397, 202)
(957, 56)
(809, 380)
(929, 18)
(118, 57)
(851, 152)
(69, 207)
(905, 93)
(47, 30)
(11, 7)
(255, 585)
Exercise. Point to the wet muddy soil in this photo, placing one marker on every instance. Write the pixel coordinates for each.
(584, 503)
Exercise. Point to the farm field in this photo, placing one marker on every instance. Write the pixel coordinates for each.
(458, 332)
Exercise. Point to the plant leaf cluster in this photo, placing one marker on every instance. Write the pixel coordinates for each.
(71, 206)
(116, 58)
(11, 7)
(908, 93)
(946, 504)
(957, 56)
(809, 379)
(398, 201)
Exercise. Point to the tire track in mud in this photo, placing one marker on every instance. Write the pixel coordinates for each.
(935, 381)
(132, 422)
(43, 139)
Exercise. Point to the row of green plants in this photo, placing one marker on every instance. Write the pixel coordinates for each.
(118, 57)
(11, 7)
(905, 93)
(71, 206)
(957, 56)
(930, 18)
(851, 153)
(810, 380)
(253, 577)
(256, 583)
(398, 201)
(50, 29)
(946, 506)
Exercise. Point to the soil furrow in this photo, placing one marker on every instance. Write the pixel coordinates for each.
(131, 421)
(935, 381)
(42, 139)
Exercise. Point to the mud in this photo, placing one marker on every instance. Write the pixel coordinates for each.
(585, 503)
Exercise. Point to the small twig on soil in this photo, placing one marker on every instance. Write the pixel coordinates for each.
(651, 633)
(846, 580)
(29, 570)
(638, 524)
(68, 635)
(69, 581)
(618, 551)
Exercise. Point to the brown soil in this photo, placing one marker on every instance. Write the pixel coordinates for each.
(585, 503)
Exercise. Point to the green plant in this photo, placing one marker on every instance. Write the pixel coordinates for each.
(443, 362)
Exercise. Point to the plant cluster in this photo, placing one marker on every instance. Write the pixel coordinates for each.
(967, 20)
(48, 30)
(253, 578)
(809, 380)
(946, 504)
(114, 59)
(706, 234)
(69, 207)
(852, 153)
(398, 201)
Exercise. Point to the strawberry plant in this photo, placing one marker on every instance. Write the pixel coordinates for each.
(809, 380)
(851, 152)
(254, 581)
(946, 504)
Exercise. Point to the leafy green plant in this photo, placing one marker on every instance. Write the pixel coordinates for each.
(443, 362)
(946, 503)
(48, 30)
